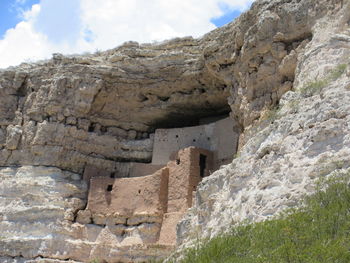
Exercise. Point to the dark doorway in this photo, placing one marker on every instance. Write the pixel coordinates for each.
(109, 188)
(108, 194)
(202, 164)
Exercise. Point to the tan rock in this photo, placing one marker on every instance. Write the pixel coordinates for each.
(84, 217)
(13, 138)
(100, 110)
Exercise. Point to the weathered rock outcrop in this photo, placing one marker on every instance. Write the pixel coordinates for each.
(305, 137)
(39, 206)
(102, 110)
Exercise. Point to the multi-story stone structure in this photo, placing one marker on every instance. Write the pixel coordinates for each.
(145, 207)
(158, 200)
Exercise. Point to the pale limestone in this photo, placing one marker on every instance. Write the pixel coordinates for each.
(34, 204)
(307, 138)
(101, 110)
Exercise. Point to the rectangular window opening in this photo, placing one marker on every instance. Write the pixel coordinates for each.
(202, 164)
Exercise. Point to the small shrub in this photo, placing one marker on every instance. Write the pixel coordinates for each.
(313, 88)
(236, 155)
(337, 72)
(294, 105)
(272, 114)
(316, 87)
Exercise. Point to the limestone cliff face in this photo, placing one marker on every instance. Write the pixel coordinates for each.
(102, 110)
(305, 137)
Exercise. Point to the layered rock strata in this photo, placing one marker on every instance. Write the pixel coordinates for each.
(45, 214)
(102, 110)
(39, 206)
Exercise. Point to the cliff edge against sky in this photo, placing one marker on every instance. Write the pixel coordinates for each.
(280, 70)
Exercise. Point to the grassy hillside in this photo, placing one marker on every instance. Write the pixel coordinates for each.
(317, 232)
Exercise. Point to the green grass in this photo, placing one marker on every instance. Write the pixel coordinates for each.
(316, 86)
(337, 72)
(313, 88)
(294, 105)
(317, 232)
(271, 114)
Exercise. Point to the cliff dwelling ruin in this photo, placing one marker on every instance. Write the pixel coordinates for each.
(144, 204)
(102, 156)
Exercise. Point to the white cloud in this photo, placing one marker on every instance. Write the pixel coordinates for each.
(59, 20)
(48, 27)
(22, 42)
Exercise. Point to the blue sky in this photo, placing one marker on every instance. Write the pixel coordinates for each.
(226, 18)
(10, 13)
(228, 15)
(34, 29)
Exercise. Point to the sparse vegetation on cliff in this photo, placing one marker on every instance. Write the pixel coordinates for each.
(316, 232)
(272, 114)
(316, 86)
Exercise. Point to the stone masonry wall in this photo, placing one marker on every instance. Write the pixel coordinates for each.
(220, 137)
(146, 209)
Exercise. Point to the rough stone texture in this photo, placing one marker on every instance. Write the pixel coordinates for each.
(38, 206)
(145, 210)
(220, 137)
(168, 230)
(287, 149)
(130, 197)
(101, 110)
(45, 216)
(184, 176)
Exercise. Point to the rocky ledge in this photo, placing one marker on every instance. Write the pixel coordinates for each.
(281, 70)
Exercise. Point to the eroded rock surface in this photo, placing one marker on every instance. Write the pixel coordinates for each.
(305, 138)
(102, 110)
(38, 209)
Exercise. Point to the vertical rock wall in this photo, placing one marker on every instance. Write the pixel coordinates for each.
(305, 138)
(101, 109)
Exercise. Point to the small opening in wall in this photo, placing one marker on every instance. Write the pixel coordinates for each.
(208, 138)
(202, 164)
(176, 136)
(177, 161)
(194, 140)
(91, 127)
(139, 191)
(109, 188)
(112, 175)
